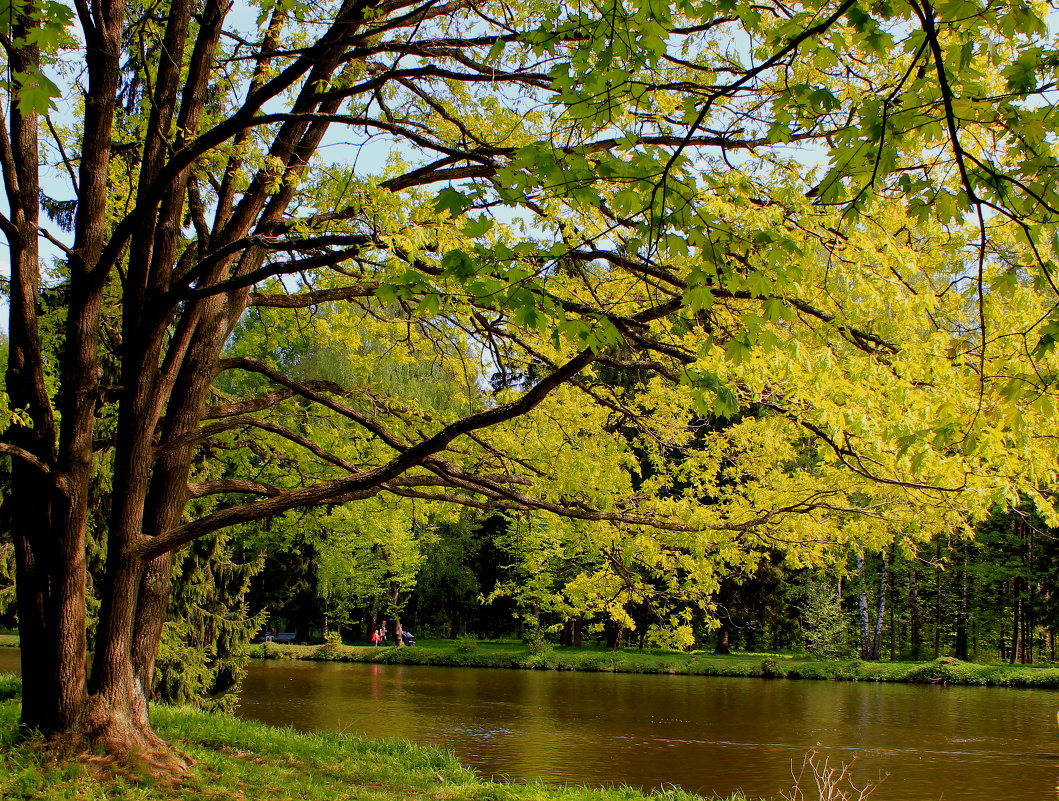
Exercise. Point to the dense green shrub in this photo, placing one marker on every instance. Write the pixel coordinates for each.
(771, 669)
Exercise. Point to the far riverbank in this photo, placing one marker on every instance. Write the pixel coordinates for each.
(519, 656)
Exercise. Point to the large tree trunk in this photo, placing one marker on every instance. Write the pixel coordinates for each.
(153, 493)
(117, 719)
(47, 522)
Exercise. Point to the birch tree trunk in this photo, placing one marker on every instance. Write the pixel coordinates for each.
(862, 607)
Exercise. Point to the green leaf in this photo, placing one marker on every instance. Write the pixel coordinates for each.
(1014, 389)
(1021, 74)
(628, 201)
(738, 348)
(527, 314)
(698, 297)
(35, 93)
(1049, 336)
(429, 304)
(1006, 283)
(387, 293)
(775, 309)
(476, 226)
(452, 200)
(459, 265)
(721, 401)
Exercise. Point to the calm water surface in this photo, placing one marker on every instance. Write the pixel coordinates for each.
(708, 735)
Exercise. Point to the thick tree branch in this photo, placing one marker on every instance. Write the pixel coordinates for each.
(314, 298)
(851, 459)
(309, 391)
(408, 458)
(23, 455)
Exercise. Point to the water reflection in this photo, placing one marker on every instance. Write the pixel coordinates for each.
(705, 734)
(9, 660)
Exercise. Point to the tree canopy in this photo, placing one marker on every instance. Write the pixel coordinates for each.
(685, 282)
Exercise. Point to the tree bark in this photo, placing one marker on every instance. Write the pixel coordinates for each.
(613, 631)
(723, 643)
(48, 524)
(894, 596)
(1029, 624)
(1016, 620)
(880, 612)
(938, 589)
(862, 606)
(961, 651)
(395, 609)
(915, 630)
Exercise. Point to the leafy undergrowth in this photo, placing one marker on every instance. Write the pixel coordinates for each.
(509, 655)
(247, 761)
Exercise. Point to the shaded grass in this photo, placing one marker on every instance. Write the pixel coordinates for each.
(453, 653)
(236, 759)
(8, 641)
(10, 687)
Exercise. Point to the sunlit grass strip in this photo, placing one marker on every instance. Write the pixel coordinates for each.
(508, 655)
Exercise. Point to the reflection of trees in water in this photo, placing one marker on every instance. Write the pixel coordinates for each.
(9, 661)
(709, 735)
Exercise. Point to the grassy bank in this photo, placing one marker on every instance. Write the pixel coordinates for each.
(237, 759)
(521, 656)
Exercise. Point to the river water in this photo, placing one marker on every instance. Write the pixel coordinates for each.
(708, 735)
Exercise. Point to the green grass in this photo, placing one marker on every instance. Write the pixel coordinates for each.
(235, 759)
(10, 687)
(9, 640)
(464, 653)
